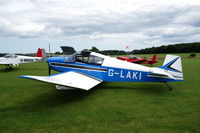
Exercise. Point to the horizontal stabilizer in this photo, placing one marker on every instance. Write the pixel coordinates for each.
(156, 75)
(71, 79)
(159, 73)
(172, 68)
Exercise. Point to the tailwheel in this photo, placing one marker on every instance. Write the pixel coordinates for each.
(170, 88)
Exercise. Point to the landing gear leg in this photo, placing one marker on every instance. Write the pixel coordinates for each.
(8, 67)
(170, 88)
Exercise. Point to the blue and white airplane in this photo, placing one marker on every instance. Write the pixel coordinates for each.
(85, 70)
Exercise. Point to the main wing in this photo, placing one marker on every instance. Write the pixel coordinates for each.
(70, 79)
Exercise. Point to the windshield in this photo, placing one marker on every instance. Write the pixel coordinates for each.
(8, 56)
(71, 58)
(84, 57)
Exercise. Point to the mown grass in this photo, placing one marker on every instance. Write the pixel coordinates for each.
(31, 106)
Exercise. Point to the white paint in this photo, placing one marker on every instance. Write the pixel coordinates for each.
(121, 74)
(116, 63)
(135, 75)
(125, 75)
(176, 65)
(70, 79)
(110, 72)
(18, 59)
(128, 75)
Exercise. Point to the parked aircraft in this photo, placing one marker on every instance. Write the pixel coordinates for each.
(138, 60)
(84, 70)
(14, 60)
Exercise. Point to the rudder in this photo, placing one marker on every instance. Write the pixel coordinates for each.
(39, 53)
(173, 62)
(153, 57)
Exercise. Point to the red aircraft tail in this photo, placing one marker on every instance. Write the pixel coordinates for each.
(153, 57)
(39, 53)
(152, 60)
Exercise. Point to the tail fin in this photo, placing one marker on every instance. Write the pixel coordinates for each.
(39, 53)
(153, 57)
(173, 66)
(152, 60)
(44, 56)
(173, 62)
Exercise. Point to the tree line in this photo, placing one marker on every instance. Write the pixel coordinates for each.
(175, 48)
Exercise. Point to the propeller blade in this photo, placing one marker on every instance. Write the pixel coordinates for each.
(49, 71)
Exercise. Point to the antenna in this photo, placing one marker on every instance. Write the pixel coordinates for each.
(49, 50)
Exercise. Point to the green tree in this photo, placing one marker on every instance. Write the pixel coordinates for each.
(192, 55)
(58, 53)
(94, 49)
(85, 50)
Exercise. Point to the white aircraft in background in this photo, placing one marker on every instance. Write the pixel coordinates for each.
(10, 60)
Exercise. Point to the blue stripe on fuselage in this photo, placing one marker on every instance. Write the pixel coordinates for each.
(110, 74)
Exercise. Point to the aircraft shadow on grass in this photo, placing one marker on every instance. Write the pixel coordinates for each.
(17, 69)
(154, 88)
(52, 99)
(6, 71)
(49, 100)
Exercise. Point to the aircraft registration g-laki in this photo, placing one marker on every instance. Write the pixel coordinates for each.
(137, 60)
(14, 60)
(85, 70)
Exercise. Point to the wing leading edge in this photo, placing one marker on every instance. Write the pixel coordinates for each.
(70, 79)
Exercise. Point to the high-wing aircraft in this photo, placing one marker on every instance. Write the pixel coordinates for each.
(14, 60)
(84, 70)
(138, 60)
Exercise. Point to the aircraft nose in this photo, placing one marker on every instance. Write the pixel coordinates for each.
(48, 60)
(54, 59)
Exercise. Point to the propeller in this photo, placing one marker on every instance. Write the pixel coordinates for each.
(49, 70)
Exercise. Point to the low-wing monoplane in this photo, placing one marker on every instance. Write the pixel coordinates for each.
(84, 70)
(10, 60)
(138, 60)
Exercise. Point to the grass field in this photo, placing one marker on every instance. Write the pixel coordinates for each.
(31, 106)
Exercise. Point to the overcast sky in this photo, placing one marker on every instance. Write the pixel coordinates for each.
(26, 25)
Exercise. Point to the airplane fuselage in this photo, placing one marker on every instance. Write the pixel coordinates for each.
(84, 70)
(110, 74)
(18, 59)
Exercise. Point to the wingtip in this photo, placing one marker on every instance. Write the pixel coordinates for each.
(26, 77)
